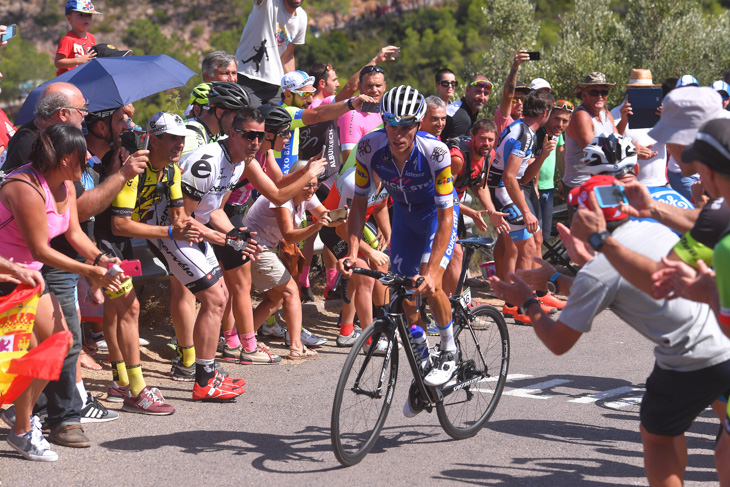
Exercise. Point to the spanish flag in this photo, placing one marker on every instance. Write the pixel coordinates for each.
(18, 366)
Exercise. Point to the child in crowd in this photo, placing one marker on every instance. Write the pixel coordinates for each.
(73, 48)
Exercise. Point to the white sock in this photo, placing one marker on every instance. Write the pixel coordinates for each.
(447, 337)
(82, 392)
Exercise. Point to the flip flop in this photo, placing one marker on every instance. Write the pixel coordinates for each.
(300, 353)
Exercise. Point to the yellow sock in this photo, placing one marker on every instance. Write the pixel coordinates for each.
(187, 356)
(136, 381)
(119, 373)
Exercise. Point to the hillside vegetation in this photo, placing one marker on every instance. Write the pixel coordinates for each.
(575, 37)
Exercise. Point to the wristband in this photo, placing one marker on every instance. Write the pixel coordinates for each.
(98, 258)
(169, 232)
(525, 306)
(349, 104)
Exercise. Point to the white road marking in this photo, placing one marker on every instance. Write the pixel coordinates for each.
(531, 391)
(605, 394)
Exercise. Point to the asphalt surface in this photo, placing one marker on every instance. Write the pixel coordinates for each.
(562, 421)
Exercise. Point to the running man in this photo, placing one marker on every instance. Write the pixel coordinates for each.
(415, 169)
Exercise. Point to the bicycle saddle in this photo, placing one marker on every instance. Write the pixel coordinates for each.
(476, 241)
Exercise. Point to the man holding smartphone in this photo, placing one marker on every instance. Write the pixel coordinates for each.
(513, 94)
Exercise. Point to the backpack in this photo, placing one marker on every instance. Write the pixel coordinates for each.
(466, 178)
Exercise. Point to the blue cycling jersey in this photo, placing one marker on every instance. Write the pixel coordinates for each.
(517, 139)
(425, 181)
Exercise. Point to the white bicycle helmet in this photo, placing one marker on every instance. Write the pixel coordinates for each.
(614, 155)
(402, 105)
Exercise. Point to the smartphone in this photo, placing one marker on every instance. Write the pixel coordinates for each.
(534, 55)
(610, 196)
(10, 32)
(133, 141)
(131, 268)
(370, 107)
(338, 215)
(395, 54)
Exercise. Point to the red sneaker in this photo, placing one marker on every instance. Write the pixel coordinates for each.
(547, 309)
(507, 311)
(217, 390)
(116, 393)
(550, 300)
(514, 313)
(149, 401)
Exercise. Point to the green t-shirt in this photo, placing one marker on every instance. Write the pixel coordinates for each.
(547, 171)
(721, 263)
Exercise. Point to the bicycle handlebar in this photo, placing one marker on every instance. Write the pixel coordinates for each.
(387, 278)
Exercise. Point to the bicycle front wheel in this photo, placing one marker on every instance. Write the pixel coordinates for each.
(471, 397)
(364, 393)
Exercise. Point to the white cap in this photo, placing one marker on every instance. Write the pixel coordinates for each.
(683, 113)
(166, 123)
(540, 83)
(687, 80)
(296, 80)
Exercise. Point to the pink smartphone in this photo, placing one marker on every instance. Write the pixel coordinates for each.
(131, 268)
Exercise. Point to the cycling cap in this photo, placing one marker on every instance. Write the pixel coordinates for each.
(199, 95)
(614, 155)
(228, 95)
(275, 115)
(402, 105)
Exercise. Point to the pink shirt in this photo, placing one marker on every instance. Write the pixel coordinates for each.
(354, 124)
(11, 240)
(501, 121)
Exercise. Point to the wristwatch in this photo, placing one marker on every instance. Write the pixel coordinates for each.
(552, 284)
(598, 239)
(349, 104)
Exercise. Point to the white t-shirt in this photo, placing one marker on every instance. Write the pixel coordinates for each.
(652, 172)
(269, 30)
(261, 218)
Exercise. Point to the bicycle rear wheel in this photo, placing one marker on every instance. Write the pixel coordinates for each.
(471, 397)
(363, 396)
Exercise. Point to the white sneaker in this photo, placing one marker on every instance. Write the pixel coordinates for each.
(99, 343)
(33, 445)
(143, 342)
(272, 328)
(407, 411)
(442, 370)
(309, 339)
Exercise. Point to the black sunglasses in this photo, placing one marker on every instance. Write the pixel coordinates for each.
(373, 68)
(251, 134)
(446, 84)
(595, 93)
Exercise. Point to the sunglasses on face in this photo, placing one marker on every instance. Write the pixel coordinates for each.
(482, 84)
(396, 121)
(373, 68)
(518, 100)
(595, 93)
(564, 105)
(446, 84)
(282, 133)
(251, 134)
(312, 186)
(303, 94)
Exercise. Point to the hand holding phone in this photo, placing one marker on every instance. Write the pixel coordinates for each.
(338, 215)
(534, 55)
(10, 32)
(370, 107)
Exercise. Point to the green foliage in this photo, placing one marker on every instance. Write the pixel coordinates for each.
(23, 69)
(49, 18)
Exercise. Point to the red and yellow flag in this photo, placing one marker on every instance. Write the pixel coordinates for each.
(18, 366)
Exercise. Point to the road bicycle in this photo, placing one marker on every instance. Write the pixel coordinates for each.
(463, 405)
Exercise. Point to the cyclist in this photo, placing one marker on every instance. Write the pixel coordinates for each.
(415, 169)
(209, 175)
(151, 207)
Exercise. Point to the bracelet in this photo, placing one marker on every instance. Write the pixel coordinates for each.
(302, 171)
(98, 258)
(526, 305)
(349, 104)
(169, 232)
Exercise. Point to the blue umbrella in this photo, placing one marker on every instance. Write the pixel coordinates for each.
(112, 82)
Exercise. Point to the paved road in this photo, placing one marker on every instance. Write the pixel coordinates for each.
(563, 421)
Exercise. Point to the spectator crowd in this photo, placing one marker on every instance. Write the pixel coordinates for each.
(257, 176)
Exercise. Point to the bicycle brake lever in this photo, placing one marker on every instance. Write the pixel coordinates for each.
(340, 287)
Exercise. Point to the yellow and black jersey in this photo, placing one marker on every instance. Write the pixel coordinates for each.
(146, 197)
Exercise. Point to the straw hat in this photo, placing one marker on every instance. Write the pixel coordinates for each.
(640, 78)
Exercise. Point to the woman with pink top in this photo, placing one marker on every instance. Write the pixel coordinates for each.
(37, 204)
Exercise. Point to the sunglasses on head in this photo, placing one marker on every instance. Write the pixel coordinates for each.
(446, 84)
(251, 134)
(373, 68)
(482, 84)
(564, 105)
(594, 93)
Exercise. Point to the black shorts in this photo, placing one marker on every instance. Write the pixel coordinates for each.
(674, 399)
(228, 257)
(332, 241)
(119, 248)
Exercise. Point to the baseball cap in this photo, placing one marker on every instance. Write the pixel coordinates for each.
(296, 80)
(166, 123)
(684, 112)
(687, 80)
(540, 83)
(83, 6)
(721, 86)
(520, 86)
(107, 50)
(579, 196)
(711, 146)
